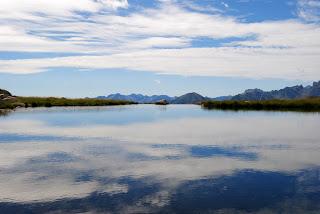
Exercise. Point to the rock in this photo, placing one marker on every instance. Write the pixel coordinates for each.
(162, 102)
(4, 94)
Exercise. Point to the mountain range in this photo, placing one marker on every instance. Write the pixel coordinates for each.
(294, 92)
(190, 98)
(139, 98)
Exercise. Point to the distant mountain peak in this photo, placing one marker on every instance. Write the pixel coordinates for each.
(316, 84)
(189, 98)
(293, 92)
(192, 94)
(255, 90)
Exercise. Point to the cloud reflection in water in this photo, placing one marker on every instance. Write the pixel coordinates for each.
(200, 161)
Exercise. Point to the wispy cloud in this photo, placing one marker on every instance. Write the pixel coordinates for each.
(309, 10)
(157, 81)
(225, 4)
(158, 39)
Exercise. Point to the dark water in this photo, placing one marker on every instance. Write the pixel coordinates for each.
(156, 159)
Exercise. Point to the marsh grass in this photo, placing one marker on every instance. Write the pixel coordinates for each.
(308, 104)
(54, 101)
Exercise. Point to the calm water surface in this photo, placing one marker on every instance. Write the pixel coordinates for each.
(159, 159)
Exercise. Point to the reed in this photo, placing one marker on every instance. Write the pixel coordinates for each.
(308, 104)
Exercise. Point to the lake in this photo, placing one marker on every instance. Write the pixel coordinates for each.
(159, 159)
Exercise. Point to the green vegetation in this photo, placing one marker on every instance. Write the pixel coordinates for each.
(308, 104)
(53, 101)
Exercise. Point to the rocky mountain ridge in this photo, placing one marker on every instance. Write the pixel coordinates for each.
(139, 98)
(294, 92)
(189, 98)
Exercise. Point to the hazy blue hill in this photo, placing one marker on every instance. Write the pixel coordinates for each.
(294, 92)
(253, 94)
(139, 98)
(190, 98)
(222, 98)
(314, 90)
(287, 93)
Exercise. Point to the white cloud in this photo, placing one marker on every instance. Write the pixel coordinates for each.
(309, 10)
(26, 167)
(225, 4)
(273, 49)
(157, 81)
(57, 7)
(158, 42)
(229, 61)
(200, 8)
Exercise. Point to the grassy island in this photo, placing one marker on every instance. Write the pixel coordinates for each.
(26, 102)
(308, 104)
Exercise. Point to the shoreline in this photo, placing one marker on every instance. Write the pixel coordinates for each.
(300, 105)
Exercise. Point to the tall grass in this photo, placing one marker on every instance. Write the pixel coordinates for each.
(308, 104)
(53, 101)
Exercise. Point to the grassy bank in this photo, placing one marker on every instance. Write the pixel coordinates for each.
(53, 101)
(310, 104)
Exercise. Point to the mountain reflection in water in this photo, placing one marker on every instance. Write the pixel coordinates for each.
(147, 159)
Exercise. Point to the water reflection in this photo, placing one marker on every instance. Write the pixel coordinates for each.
(4, 113)
(142, 159)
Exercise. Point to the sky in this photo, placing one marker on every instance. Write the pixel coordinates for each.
(87, 48)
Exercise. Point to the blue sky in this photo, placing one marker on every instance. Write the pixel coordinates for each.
(79, 48)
